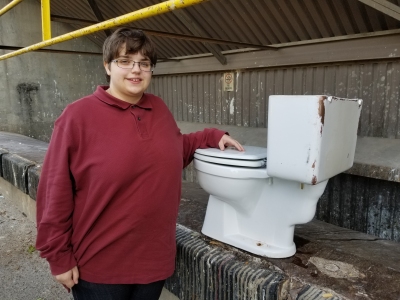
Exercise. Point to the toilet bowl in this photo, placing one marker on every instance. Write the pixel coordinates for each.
(259, 195)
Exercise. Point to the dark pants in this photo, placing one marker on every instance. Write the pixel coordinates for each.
(97, 291)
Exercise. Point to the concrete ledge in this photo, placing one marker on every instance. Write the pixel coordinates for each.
(15, 170)
(21, 160)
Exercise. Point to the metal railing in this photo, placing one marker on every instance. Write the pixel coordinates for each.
(143, 13)
(46, 21)
(9, 6)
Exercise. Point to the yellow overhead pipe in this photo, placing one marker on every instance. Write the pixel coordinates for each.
(143, 13)
(46, 25)
(9, 6)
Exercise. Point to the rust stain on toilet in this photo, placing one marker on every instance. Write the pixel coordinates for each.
(321, 109)
(313, 165)
(314, 180)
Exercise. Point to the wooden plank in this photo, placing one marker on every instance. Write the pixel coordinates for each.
(249, 29)
(196, 30)
(292, 19)
(329, 14)
(338, 51)
(306, 19)
(264, 34)
(275, 14)
(320, 22)
(277, 35)
(356, 15)
(343, 16)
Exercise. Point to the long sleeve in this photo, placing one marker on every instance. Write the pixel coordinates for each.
(55, 205)
(208, 138)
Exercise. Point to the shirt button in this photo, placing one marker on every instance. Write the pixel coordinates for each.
(139, 118)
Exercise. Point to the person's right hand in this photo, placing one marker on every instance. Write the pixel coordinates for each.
(69, 278)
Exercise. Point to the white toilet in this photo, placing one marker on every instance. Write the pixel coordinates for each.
(258, 196)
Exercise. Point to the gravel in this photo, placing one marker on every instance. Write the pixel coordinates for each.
(23, 274)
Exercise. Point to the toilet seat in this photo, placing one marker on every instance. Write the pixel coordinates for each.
(252, 157)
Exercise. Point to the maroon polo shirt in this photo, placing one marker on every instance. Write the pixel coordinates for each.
(110, 188)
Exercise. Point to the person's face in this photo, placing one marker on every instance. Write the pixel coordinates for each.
(128, 84)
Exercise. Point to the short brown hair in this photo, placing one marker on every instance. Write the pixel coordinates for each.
(135, 41)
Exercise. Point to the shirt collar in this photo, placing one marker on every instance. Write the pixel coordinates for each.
(105, 97)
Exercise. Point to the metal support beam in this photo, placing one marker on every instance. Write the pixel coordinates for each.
(143, 13)
(196, 30)
(384, 6)
(82, 22)
(9, 6)
(3, 47)
(46, 23)
(98, 14)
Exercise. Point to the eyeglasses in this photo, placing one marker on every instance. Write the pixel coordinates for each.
(129, 64)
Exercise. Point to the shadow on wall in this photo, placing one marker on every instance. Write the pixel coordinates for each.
(27, 97)
(30, 109)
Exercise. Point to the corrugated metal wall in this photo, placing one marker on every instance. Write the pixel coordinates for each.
(363, 204)
(200, 97)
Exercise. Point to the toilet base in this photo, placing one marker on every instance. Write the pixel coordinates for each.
(221, 223)
(254, 246)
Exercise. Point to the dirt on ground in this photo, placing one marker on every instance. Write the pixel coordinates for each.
(23, 274)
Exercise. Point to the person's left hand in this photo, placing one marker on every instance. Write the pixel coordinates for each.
(226, 141)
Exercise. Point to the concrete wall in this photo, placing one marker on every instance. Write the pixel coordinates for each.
(35, 87)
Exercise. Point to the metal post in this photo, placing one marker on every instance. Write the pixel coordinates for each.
(143, 13)
(9, 6)
(46, 23)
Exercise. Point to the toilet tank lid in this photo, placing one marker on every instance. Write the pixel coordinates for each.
(250, 153)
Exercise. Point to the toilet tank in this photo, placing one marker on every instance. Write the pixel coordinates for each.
(311, 138)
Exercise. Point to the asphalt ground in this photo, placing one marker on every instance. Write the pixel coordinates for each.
(23, 274)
